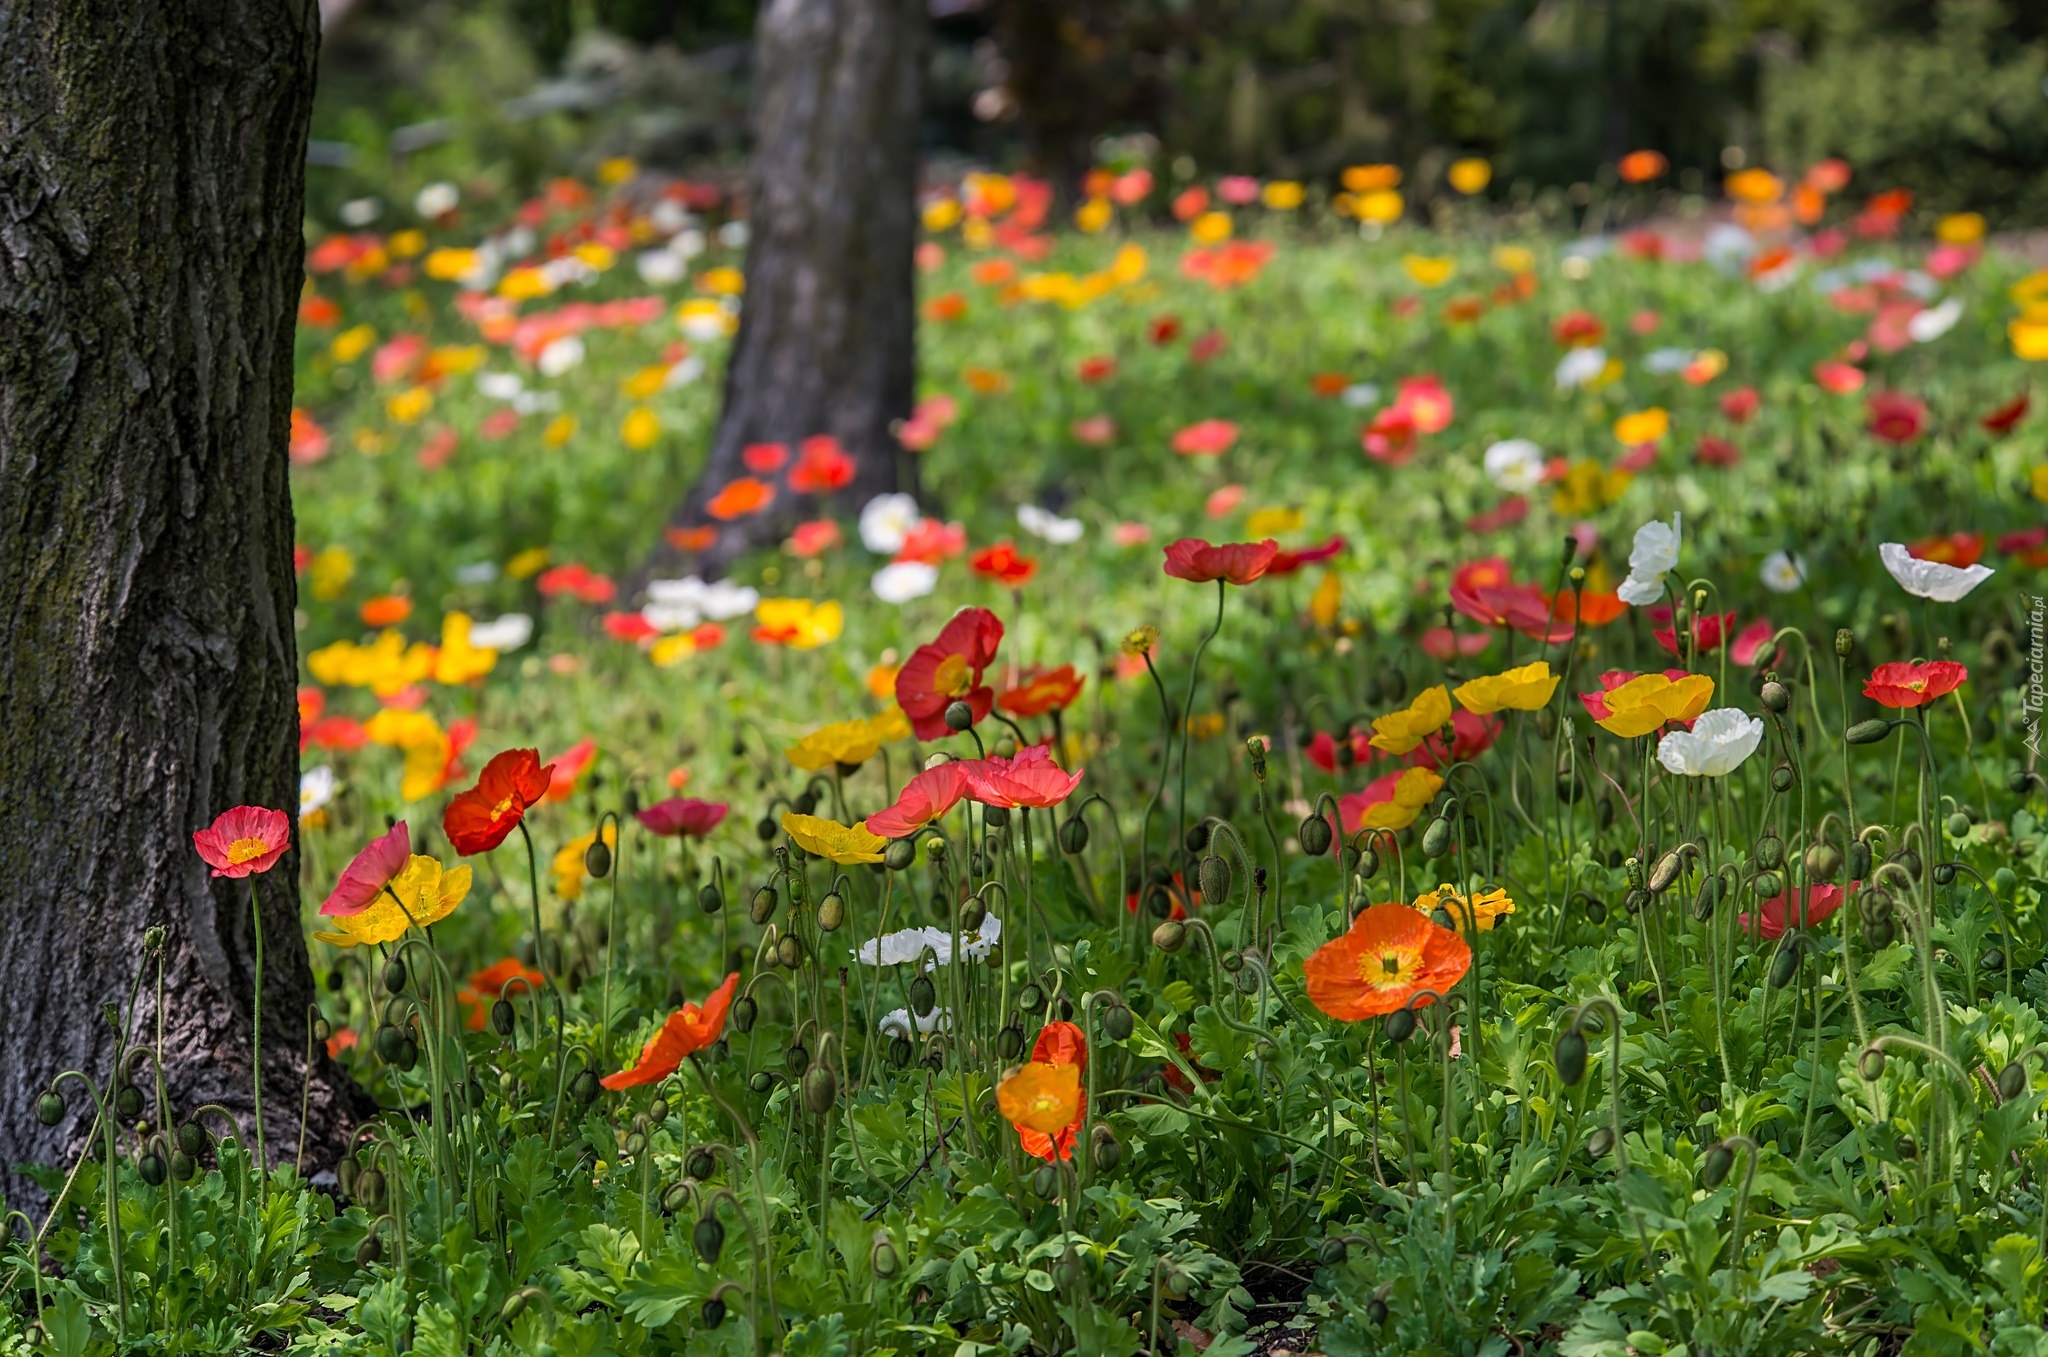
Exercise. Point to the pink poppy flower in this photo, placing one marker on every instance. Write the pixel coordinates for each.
(682, 815)
(373, 869)
(244, 840)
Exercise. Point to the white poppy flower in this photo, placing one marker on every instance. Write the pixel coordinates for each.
(669, 617)
(357, 213)
(560, 355)
(902, 581)
(1049, 525)
(688, 244)
(476, 572)
(733, 235)
(1782, 572)
(501, 634)
(1654, 556)
(896, 1022)
(1715, 746)
(974, 946)
(316, 789)
(1935, 321)
(500, 386)
(683, 373)
(1931, 579)
(1359, 395)
(1580, 366)
(1663, 361)
(886, 521)
(437, 199)
(900, 948)
(660, 268)
(1515, 465)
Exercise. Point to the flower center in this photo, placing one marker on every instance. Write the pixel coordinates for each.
(1389, 969)
(247, 850)
(955, 677)
(503, 808)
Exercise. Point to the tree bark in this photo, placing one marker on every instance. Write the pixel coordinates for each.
(826, 340)
(151, 184)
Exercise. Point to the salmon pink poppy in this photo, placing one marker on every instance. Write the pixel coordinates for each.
(1390, 437)
(1837, 377)
(923, 799)
(822, 466)
(1238, 563)
(479, 819)
(567, 768)
(1750, 642)
(1441, 643)
(1896, 417)
(949, 669)
(1039, 691)
(932, 542)
(814, 538)
(1392, 954)
(1288, 562)
(1815, 905)
(244, 841)
(688, 1030)
(1003, 564)
(1031, 779)
(1898, 685)
(1206, 438)
(1507, 514)
(1522, 607)
(1095, 431)
(1060, 1045)
(682, 815)
(374, 868)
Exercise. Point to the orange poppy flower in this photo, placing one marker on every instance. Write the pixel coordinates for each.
(1005, 565)
(1061, 1053)
(386, 610)
(688, 1030)
(1593, 608)
(1640, 167)
(1041, 691)
(1392, 954)
(740, 498)
(692, 539)
(493, 978)
(946, 306)
(479, 819)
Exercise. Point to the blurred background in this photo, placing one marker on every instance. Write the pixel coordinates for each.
(1945, 98)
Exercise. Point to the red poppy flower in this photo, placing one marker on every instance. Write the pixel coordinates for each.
(1471, 736)
(1817, 904)
(1640, 167)
(494, 978)
(1488, 572)
(932, 542)
(1740, 403)
(1390, 438)
(688, 1030)
(2002, 420)
(373, 869)
(1287, 562)
(1837, 377)
(1238, 562)
(244, 841)
(1709, 630)
(949, 669)
(1587, 608)
(1441, 643)
(764, 459)
(1959, 549)
(1099, 368)
(1003, 564)
(1896, 417)
(1507, 514)
(682, 815)
(1750, 642)
(478, 820)
(568, 768)
(923, 799)
(1206, 346)
(822, 466)
(1576, 329)
(813, 538)
(631, 628)
(334, 732)
(2030, 546)
(740, 498)
(1030, 779)
(1322, 749)
(1899, 684)
(691, 539)
(1059, 1044)
(1039, 691)
(572, 579)
(1205, 438)
(1163, 329)
(1716, 451)
(1520, 606)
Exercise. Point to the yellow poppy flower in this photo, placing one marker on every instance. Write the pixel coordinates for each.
(724, 281)
(330, 572)
(1282, 195)
(1129, 265)
(843, 742)
(1327, 599)
(1470, 175)
(1093, 215)
(1429, 271)
(427, 892)
(1372, 178)
(1416, 788)
(941, 214)
(2029, 339)
(1960, 228)
(2037, 480)
(460, 662)
(447, 265)
(798, 623)
(1525, 688)
(1482, 910)
(1398, 732)
(1383, 208)
(1211, 228)
(1264, 523)
(1514, 258)
(1649, 701)
(846, 845)
(1643, 426)
(640, 428)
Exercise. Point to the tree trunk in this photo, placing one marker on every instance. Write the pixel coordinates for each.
(151, 184)
(825, 343)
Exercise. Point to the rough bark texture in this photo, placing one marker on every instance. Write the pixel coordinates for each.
(826, 341)
(151, 180)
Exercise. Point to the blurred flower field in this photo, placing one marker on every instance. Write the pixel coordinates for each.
(1401, 783)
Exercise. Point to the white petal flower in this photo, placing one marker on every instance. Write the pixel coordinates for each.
(1935, 321)
(1715, 746)
(1359, 395)
(660, 268)
(437, 199)
(1654, 555)
(1667, 360)
(1515, 465)
(509, 632)
(316, 789)
(671, 617)
(902, 581)
(1580, 366)
(500, 386)
(476, 572)
(896, 1022)
(886, 521)
(1931, 579)
(733, 235)
(1782, 572)
(900, 948)
(1049, 525)
(560, 355)
(357, 213)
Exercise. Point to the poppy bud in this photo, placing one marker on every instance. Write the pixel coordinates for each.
(584, 1087)
(1944, 873)
(1332, 1251)
(923, 996)
(1709, 896)
(1570, 1056)
(408, 1054)
(635, 1145)
(183, 1166)
(597, 859)
(712, 1313)
(1909, 1148)
(764, 828)
(1666, 872)
(1600, 1142)
(1784, 967)
(1031, 998)
(152, 1169)
(1436, 840)
(832, 912)
(1010, 1042)
(1909, 860)
(1073, 833)
(1046, 1182)
(1781, 778)
(796, 1060)
(1992, 960)
(1764, 885)
(744, 1011)
(1170, 936)
(1213, 876)
(1376, 1312)
(2005, 880)
(50, 1108)
(806, 801)
(1859, 858)
(763, 908)
(761, 1081)
(1776, 696)
(1596, 911)
(1719, 1160)
(1845, 642)
(1315, 836)
(1400, 1025)
(1822, 862)
(959, 716)
(1871, 1064)
(1770, 852)
(1368, 863)
(1117, 1022)
(899, 855)
(708, 1238)
(1158, 903)
(370, 1188)
(394, 976)
(369, 1251)
(900, 1052)
(1867, 732)
(820, 1089)
(972, 914)
(2018, 781)
(882, 1256)
(128, 1102)
(1256, 747)
(1105, 1149)
(995, 817)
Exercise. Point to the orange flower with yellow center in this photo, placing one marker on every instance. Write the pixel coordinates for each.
(1391, 955)
(1041, 1096)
